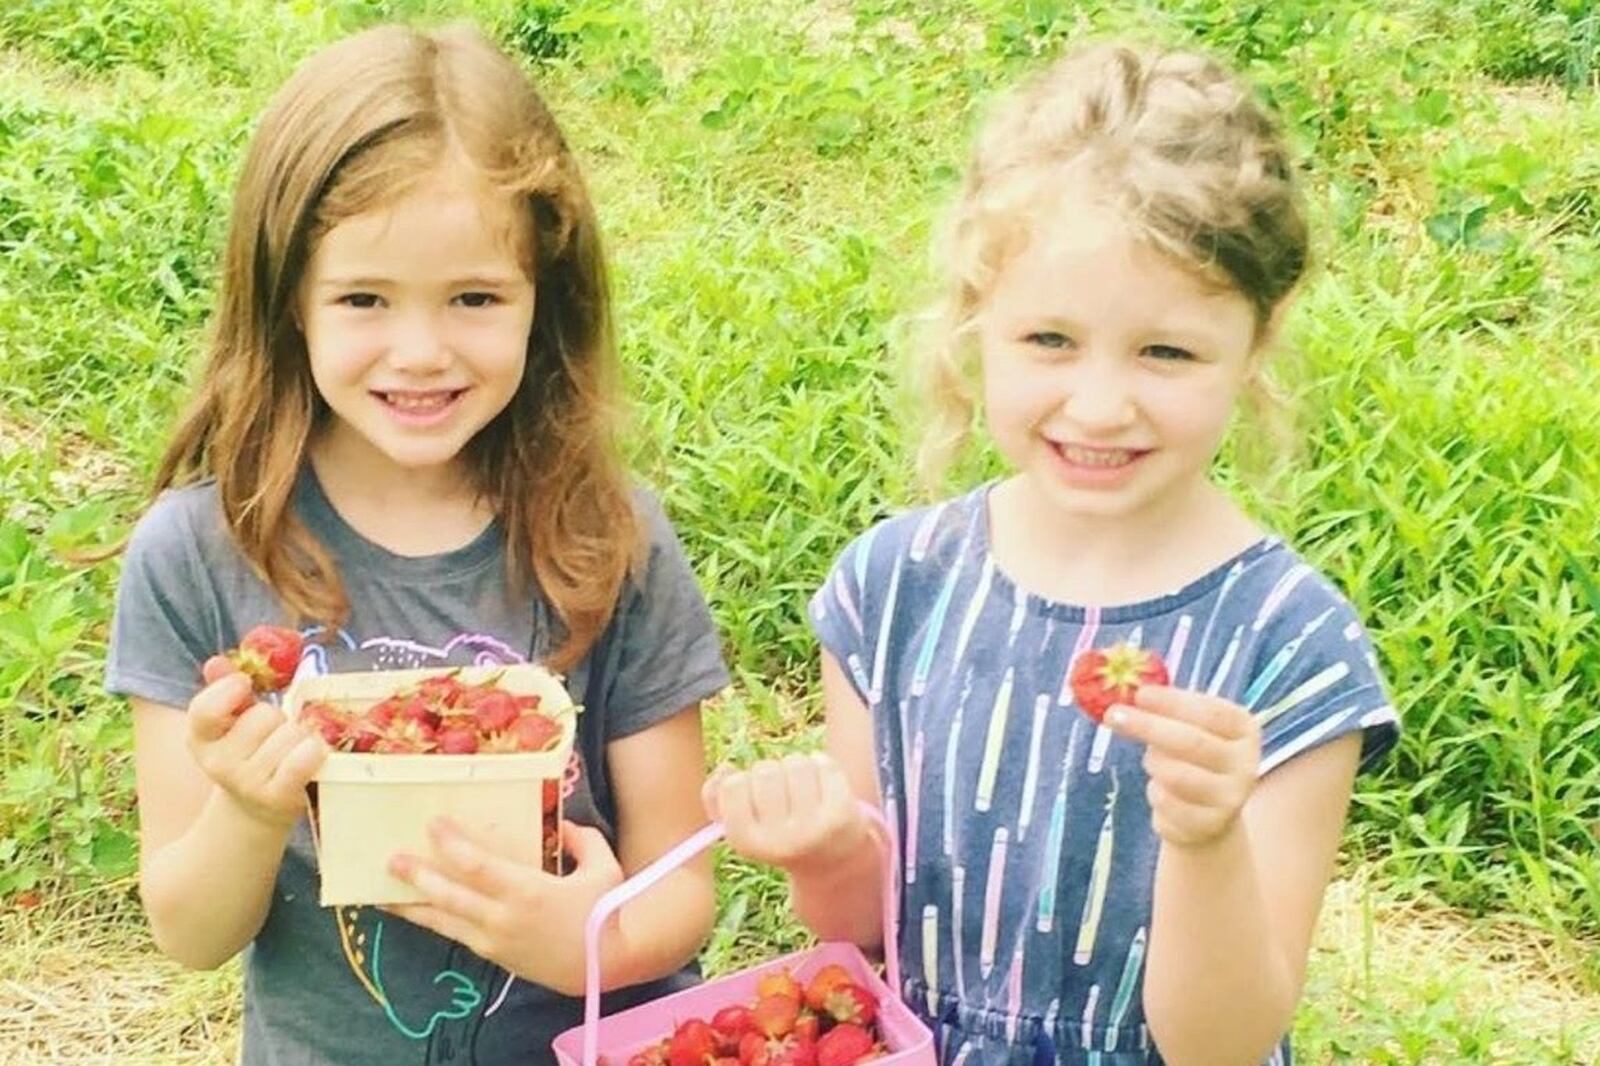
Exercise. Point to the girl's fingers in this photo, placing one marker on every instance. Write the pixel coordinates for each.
(1173, 737)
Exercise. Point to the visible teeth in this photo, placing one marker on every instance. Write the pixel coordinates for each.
(428, 402)
(1096, 456)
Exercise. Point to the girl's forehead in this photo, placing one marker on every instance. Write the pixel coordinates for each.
(450, 211)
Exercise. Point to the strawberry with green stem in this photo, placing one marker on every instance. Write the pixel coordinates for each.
(269, 656)
(1105, 676)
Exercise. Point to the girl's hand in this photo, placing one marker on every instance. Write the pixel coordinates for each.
(259, 758)
(517, 915)
(796, 813)
(1202, 756)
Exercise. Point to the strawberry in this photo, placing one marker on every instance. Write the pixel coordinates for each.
(808, 1027)
(407, 736)
(535, 732)
(442, 691)
(551, 799)
(1104, 676)
(844, 1045)
(731, 1023)
(822, 984)
(494, 711)
(775, 1014)
(693, 1043)
(458, 740)
(782, 983)
(792, 1052)
(327, 720)
(381, 715)
(268, 655)
(417, 709)
(527, 703)
(850, 1002)
(752, 1049)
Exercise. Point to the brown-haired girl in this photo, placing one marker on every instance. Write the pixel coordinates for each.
(404, 442)
(1141, 889)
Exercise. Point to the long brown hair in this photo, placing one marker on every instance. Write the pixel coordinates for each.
(355, 126)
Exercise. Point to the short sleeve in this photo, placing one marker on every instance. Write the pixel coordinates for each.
(668, 654)
(836, 612)
(1317, 679)
(162, 628)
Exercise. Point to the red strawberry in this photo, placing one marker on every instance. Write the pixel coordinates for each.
(844, 1045)
(776, 1014)
(407, 735)
(417, 709)
(1104, 676)
(792, 1052)
(822, 984)
(808, 1028)
(552, 799)
(782, 983)
(527, 703)
(494, 711)
(443, 691)
(694, 1043)
(458, 740)
(535, 732)
(269, 655)
(850, 1002)
(752, 1049)
(327, 720)
(381, 715)
(731, 1023)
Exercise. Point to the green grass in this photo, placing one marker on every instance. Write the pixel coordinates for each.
(768, 175)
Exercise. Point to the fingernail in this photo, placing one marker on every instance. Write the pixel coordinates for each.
(1117, 716)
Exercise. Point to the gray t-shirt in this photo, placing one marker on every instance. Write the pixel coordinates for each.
(354, 985)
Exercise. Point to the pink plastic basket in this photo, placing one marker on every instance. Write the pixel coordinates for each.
(621, 1035)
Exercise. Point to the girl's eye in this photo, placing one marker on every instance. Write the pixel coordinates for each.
(1049, 339)
(478, 299)
(362, 300)
(1169, 354)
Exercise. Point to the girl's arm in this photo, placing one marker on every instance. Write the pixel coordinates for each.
(657, 774)
(1234, 917)
(209, 856)
(838, 898)
(799, 813)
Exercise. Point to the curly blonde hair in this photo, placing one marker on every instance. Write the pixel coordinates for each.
(1177, 146)
(358, 125)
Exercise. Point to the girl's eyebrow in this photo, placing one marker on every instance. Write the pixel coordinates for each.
(485, 281)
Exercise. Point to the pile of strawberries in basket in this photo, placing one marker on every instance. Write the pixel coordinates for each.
(442, 715)
(831, 1021)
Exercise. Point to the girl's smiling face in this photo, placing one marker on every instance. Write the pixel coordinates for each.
(1110, 371)
(416, 318)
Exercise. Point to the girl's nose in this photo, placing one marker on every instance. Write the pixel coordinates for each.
(418, 344)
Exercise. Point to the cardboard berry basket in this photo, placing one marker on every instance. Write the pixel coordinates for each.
(614, 1039)
(370, 806)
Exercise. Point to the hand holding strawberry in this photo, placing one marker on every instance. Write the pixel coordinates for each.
(262, 761)
(795, 813)
(511, 913)
(1202, 755)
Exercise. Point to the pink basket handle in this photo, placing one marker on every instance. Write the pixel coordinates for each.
(708, 835)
